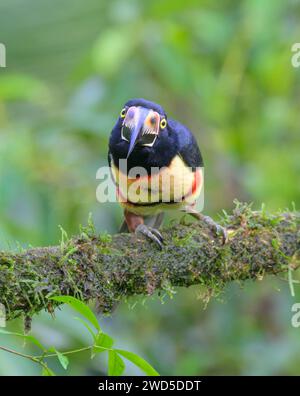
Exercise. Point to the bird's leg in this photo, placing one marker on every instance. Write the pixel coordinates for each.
(215, 227)
(155, 221)
(136, 224)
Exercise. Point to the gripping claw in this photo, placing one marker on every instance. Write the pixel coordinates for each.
(215, 227)
(151, 233)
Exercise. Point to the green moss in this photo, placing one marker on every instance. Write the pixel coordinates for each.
(110, 269)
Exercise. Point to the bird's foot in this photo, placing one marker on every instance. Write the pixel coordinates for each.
(215, 227)
(150, 233)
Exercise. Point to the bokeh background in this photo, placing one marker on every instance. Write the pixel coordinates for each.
(222, 68)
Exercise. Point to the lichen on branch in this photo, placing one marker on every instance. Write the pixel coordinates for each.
(111, 268)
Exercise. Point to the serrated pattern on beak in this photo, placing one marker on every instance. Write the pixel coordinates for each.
(140, 127)
(149, 131)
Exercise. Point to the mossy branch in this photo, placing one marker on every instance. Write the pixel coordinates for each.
(111, 268)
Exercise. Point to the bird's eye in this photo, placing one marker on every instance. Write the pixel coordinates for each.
(123, 113)
(163, 123)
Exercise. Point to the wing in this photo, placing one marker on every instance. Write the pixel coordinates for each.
(188, 148)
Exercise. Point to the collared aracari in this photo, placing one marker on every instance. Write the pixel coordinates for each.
(156, 165)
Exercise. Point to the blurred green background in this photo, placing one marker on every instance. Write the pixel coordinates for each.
(222, 68)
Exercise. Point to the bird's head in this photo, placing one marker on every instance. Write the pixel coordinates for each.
(141, 123)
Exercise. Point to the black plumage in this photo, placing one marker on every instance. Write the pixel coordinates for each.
(145, 137)
(175, 139)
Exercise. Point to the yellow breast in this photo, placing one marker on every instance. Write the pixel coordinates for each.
(172, 186)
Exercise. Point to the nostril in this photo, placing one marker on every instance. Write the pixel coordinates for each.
(153, 120)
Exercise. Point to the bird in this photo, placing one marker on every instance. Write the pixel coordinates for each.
(156, 166)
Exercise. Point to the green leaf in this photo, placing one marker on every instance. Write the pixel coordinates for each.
(25, 337)
(104, 340)
(291, 282)
(116, 366)
(80, 307)
(102, 343)
(87, 327)
(139, 362)
(63, 360)
(97, 349)
(46, 372)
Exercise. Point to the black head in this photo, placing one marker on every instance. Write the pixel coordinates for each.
(147, 104)
(146, 137)
(142, 122)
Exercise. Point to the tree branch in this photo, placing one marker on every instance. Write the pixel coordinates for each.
(110, 269)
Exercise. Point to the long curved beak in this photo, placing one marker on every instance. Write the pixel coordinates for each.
(138, 128)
